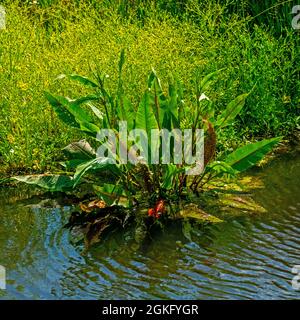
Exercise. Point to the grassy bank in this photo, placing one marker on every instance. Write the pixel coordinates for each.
(44, 41)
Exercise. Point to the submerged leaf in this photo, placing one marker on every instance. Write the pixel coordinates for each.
(95, 204)
(187, 229)
(233, 204)
(193, 212)
(94, 230)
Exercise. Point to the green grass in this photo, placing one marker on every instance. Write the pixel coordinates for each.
(41, 42)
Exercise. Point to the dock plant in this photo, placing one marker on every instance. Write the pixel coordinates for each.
(148, 191)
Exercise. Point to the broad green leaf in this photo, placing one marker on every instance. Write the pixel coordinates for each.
(72, 164)
(96, 163)
(207, 79)
(157, 99)
(79, 150)
(109, 192)
(145, 118)
(64, 114)
(130, 112)
(221, 168)
(180, 93)
(165, 108)
(169, 109)
(153, 80)
(167, 119)
(72, 113)
(96, 111)
(231, 111)
(49, 182)
(248, 155)
(83, 80)
(126, 112)
(81, 100)
(89, 128)
(167, 179)
(78, 112)
(173, 99)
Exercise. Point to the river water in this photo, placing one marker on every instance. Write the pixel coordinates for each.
(244, 258)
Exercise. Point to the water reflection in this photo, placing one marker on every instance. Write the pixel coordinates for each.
(246, 258)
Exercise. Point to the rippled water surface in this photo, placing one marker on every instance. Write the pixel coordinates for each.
(245, 258)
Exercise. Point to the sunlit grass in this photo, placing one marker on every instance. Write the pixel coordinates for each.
(41, 43)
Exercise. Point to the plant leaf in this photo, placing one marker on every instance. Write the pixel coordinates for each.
(221, 168)
(169, 109)
(122, 60)
(74, 107)
(83, 80)
(187, 229)
(96, 111)
(70, 112)
(81, 100)
(89, 128)
(207, 79)
(79, 150)
(109, 192)
(191, 211)
(126, 111)
(64, 114)
(72, 164)
(167, 179)
(158, 100)
(145, 118)
(247, 156)
(49, 182)
(231, 111)
(96, 163)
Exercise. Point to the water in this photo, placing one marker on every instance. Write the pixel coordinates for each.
(245, 258)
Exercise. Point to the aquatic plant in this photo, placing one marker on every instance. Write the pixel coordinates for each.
(160, 186)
